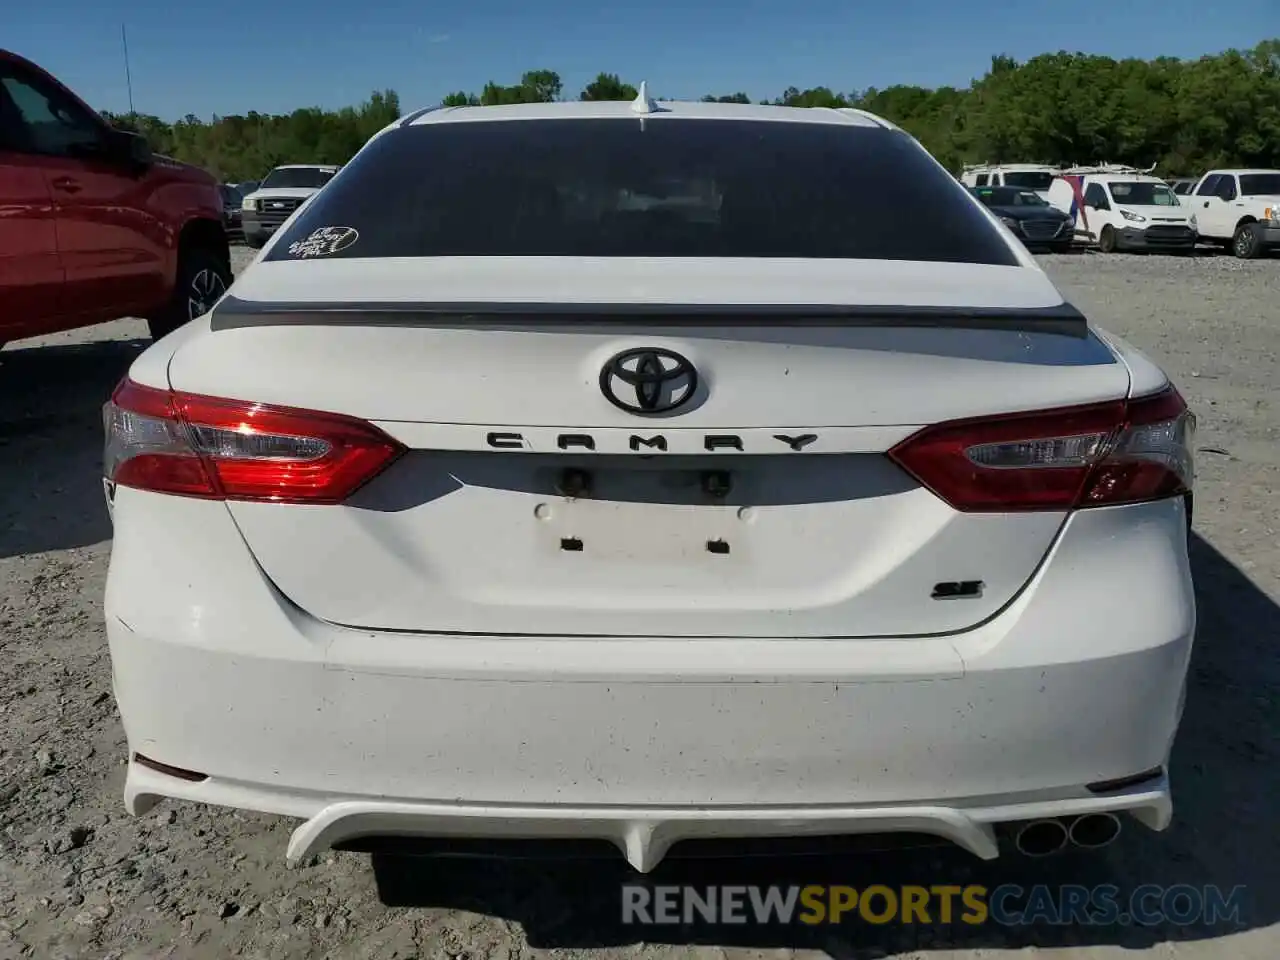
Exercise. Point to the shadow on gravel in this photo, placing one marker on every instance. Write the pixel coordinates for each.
(51, 443)
(1225, 777)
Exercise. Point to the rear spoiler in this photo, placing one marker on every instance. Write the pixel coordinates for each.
(232, 313)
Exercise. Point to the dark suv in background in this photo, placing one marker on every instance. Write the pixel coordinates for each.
(231, 222)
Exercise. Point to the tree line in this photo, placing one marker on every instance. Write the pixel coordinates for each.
(1059, 108)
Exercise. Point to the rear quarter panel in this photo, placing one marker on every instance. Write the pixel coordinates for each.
(1145, 376)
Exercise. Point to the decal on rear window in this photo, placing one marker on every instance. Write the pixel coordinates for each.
(324, 242)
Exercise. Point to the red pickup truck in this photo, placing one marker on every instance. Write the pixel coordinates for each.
(93, 225)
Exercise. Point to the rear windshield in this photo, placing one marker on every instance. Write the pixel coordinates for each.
(1259, 184)
(297, 177)
(662, 187)
(1031, 179)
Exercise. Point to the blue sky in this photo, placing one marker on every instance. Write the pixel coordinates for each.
(276, 55)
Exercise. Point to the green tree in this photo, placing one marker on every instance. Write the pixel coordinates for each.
(608, 86)
(1063, 107)
(535, 86)
(543, 85)
(816, 97)
(461, 99)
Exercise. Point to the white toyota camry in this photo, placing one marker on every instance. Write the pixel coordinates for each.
(644, 474)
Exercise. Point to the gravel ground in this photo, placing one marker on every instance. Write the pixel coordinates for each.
(80, 878)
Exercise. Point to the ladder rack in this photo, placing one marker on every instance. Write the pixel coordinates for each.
(1118, 168)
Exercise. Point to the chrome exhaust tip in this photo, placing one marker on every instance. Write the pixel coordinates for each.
(1040, 838)
(1093, 831)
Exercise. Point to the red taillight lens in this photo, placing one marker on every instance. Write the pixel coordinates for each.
(197, 446)
(1095, 455)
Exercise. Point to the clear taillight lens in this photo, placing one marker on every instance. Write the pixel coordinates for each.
(147, 447)
(197, 446)
(1093, 455)
(1151, 457)
(1028, 454)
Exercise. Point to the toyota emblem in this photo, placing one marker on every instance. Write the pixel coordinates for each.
(648, 381)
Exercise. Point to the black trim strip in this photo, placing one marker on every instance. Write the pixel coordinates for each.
(233, 313)
(1124, 783)
(180, 773)
(406, 121)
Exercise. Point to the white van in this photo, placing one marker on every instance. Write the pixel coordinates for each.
(1030, 176)
(1119, 209)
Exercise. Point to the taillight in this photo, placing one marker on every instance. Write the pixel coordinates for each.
(1087, 456)
(197, 446)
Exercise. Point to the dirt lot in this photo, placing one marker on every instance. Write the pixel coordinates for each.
(80, 878)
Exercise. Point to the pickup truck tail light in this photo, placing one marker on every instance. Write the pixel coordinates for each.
(1072, 457)
(217, 449)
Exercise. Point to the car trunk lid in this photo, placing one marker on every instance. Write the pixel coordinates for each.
(527, 503)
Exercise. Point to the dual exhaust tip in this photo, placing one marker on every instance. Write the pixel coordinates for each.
(1091, 831)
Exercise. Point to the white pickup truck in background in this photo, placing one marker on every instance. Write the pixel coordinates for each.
(1239, 209)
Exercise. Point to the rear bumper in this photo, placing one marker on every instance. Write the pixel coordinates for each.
(643, 834)
(645, 742)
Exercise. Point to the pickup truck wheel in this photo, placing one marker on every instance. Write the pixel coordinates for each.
(203, 277)
(1107, 240)
(1245, 243)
